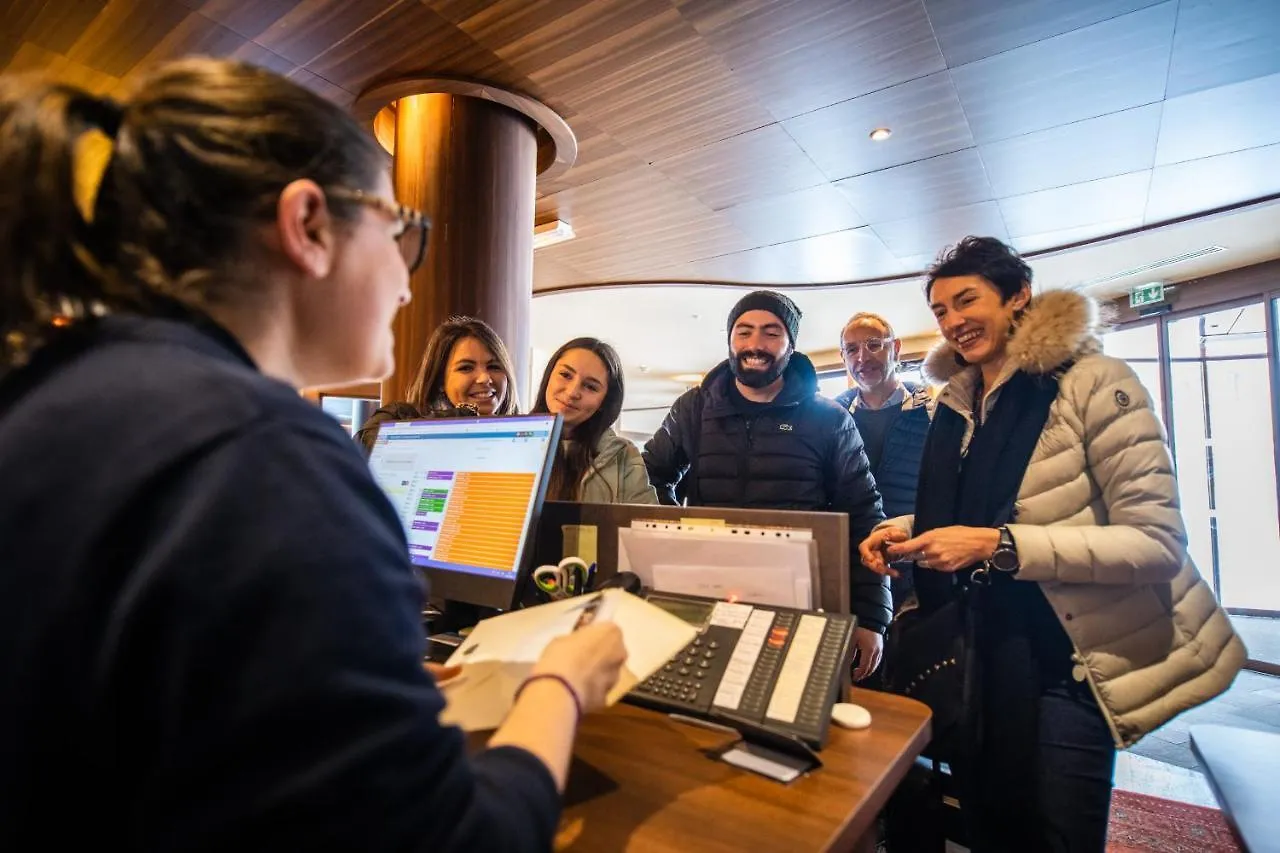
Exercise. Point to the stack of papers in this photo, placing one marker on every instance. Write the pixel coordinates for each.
(498, 655)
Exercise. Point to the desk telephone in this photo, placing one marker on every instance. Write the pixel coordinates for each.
(773, 668)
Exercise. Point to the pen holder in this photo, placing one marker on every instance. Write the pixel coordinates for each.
(572, 576)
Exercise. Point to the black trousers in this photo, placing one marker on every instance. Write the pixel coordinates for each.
(1052, 794)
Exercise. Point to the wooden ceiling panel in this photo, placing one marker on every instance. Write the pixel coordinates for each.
(635, 222)
(124, 32)
(1223, 41)
(969, 30)
(939, 183)
(1219, 121)
(322, 87)
(410, 39)
(1121, 197)
(924, 233)
(748, 166)
(246, 19)
(32, 58)
(256, 54)
(1101, 69)
(658, 89)
(549, 272)
(538, 37)
(16, 18)
(313, 26)
(195, 35)
(59, 24)
(599, 156)
(802, 56)
(807, 213)
(1074, 153)
(924, 115)
(756, 112)
(1198, 185)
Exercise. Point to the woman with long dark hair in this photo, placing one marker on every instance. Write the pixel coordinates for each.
(465, 370)
(583, 382)
(465, 364)
(210, 630)
(1056, 597)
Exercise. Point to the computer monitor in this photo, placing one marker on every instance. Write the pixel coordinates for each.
(469, 492)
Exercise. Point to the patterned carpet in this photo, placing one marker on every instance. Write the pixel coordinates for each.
(1142, 824)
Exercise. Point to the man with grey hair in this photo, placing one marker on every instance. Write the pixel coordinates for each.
(892, 416)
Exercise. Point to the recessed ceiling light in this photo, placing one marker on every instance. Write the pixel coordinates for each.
(550, 233)
(880, 134)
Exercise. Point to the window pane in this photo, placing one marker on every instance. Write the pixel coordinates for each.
(1139, 346)
(832, 385)
(1222, 416)
(351, 412)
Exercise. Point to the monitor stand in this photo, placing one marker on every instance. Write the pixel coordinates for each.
(446, 623)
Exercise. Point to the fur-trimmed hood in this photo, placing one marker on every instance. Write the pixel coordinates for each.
(1058, 326)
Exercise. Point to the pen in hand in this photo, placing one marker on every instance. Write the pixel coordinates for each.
(588, 614)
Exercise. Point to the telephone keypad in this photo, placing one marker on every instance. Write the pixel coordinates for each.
(788, 676)
(682, 682)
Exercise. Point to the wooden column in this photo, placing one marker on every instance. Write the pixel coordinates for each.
(470, 165)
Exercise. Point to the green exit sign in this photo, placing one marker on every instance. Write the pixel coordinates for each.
(1148, 294)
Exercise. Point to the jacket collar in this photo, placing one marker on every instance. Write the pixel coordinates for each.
(197, 333)
(800, 383)
(914, 397)
(609, 445)
(1059, 326)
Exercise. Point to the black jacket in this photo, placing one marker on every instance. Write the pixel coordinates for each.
(899, 469)
(803, 452)
(210, 631)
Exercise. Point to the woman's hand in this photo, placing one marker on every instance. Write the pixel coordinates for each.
(947, 549)
(872, 549)
(440, 673)
(590, 659)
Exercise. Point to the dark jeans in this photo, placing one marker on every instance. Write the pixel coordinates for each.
(1053, 794)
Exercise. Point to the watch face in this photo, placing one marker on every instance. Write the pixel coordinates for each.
(1005, 561)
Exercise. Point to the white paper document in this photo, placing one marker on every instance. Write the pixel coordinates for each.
(498, 655)
(775, 571)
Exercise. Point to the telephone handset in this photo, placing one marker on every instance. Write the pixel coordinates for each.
(773, 668)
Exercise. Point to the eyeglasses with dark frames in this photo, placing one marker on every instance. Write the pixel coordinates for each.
(417, 227)
(872, 346)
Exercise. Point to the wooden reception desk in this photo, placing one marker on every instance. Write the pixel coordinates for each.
(641, 782)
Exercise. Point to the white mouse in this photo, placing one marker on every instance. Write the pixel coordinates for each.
(850, 716)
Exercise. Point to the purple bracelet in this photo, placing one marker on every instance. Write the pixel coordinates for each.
(577, 702)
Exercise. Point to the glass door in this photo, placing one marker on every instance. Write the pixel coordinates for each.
(1224, 449)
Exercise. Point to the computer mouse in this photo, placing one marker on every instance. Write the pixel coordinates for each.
(850, 716)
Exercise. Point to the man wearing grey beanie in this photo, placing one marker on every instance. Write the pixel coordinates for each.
(757, 435)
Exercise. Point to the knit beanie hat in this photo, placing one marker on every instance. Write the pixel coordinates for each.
(775, 303)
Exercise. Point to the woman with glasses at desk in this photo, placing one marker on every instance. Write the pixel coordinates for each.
(209, 626)
(584, 384)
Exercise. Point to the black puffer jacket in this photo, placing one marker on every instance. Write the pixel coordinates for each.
(801, 453)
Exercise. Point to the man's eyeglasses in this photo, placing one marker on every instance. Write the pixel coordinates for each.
(871, 345)
(417, 227)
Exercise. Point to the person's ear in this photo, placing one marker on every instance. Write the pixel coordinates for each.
(1022, 298)
(897, 348)
(305, 227)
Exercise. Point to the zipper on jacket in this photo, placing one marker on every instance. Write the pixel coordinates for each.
(744, 461)
(1078, 660)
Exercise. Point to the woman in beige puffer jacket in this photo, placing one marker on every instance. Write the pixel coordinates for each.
(1096, 527)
